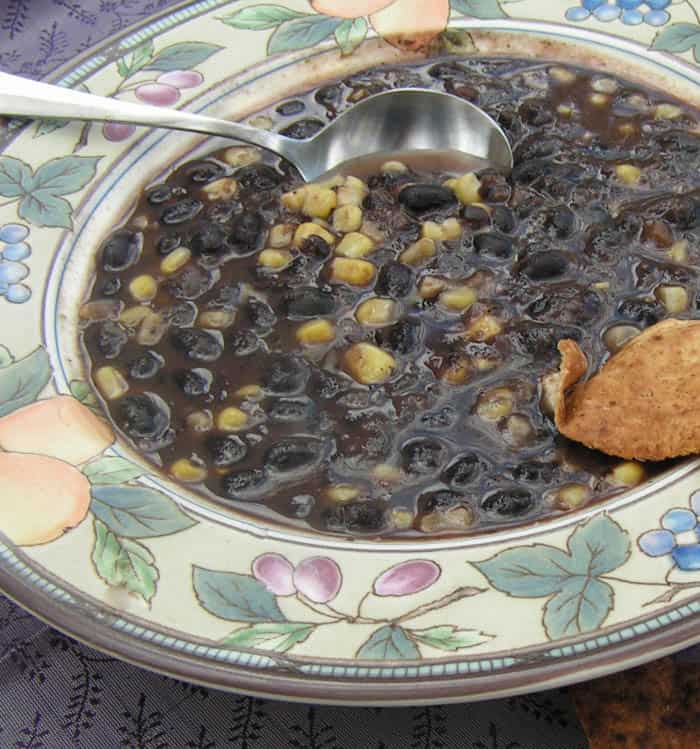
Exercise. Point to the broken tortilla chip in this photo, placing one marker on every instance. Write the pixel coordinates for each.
(642, 404)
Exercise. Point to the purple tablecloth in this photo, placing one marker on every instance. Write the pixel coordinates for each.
(56, 693)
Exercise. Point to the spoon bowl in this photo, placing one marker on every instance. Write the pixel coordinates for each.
(436, 128)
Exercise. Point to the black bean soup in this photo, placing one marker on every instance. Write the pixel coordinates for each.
(367, 356)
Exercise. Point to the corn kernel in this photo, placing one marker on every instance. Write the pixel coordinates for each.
(342, 493)
(401, 518)
(133, 316)
(242, 155)
(519, 429)
(354, 244)
(315, 332)
(217, 319)
(347, 218)
(175, 260)
(200, 421)
(355, 183)
(598, 100)
(629, 473)
(431, 286)
(309, 229)
(617, 336)
(335, 181)
(376, 311)
(294, 200)
(451, 229)
(221, 189)
(450, 183)
(348, 196)
(484, 363)
(185, 470)
(495, 404)
(368, 364)
(140, 223)
(667, 111)
(457, 372)
(275, 259)
(101, 309)
(456, 518)
(143, 288)
(393, 167)
(627, 129)
(572, 496)
(601, 285)
(110, 382)
(549, 397)
(679, 251)
(565, 110)
(467, 188)
(249, 391)
(674, 298)
(152, 329)
(458, 298)
(628, 173)
(484, 328)
(385, 473)
(352, 271)
(281, 235)
(604, 85)
(262, 122)
(432, 231)
(371, 230)
(318, 202)
(562, 75)
(231, 419)
(419, 252)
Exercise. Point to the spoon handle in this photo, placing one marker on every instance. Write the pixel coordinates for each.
(21, 97)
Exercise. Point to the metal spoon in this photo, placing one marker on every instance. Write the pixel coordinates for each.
(397, 123)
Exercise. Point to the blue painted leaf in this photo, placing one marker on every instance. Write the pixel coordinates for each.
(582, 605)
(448, 637)
(44, 127)
(389, 643)
(235, 597)
(679, 37)
(22, 380)
(138, 511)
(182, 56)
(350, 34)
(111, 470)
(64, 175)
(301, 33)
(260, 17)
(121, 562)
(478, 8)
(528, 571)
(83, 392)
(599, 546)
(43, 208)
(6, 357)
(277, 636)
(136, 59)
(15, 177)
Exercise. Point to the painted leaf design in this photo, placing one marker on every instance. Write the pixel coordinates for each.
(6, 357)
(277, 636)
(138, 511)
(135, 60)
(478, 8)
(182, 56)
(21, 381)
(449, 637)
(390, 642)
(235, 597)
(43, 208)
(111, 470)
(44, 127)
(121, 562)
(301, 33)
(528, 571)
(64, 175)
(582, 605)
(679, 37)
(350, 34)
(83, 392)
(599, 546)
(15, 177)
(260, 17)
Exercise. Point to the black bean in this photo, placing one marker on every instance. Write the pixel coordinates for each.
(183, 210)
(302, 129)
(190, 283)
(355, 517)
(423, 456)
(561, 222)
(540, 340)
(424, 200)
(493, 244)
(445, 71)
(641, 310)
(441, 419)
(201, 345)
(238, 485)
(287, 410)
(536, 112)
(145, 366)
(301, 506)
(111, 286)
(294, 454)
(182, 314)
(328, 385)
(502, 217)
(462, 470)
(330, 97)
(159, 194)
(316, 247)
(286, 374)
(543, 266)
(111, 339)
(226, 450)
(258, 177)
(121, 250)
(206, 171)
(247, 233)
(402, 337)
(290, 108)
(508, 503)
(476, 217)
(244, 343)
(533, 471)
(259, 314)
(208, 239)
(143, 416)
(394, 280)
(167, 243)
(308, 301)
(193, 382)
(439, 501)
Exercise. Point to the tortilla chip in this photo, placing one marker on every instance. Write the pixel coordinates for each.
(643, 403)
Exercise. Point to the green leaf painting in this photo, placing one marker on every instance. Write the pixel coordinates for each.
(391, 642)
(235, 597)
(182, 56)
(111, 470)
(300, 33)
(138, 511)
(679, 37)
(136, 59)
(277, 636)
(350, 34)
(485, 9)
(22, 380)
(260, 17)
(449, 637)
